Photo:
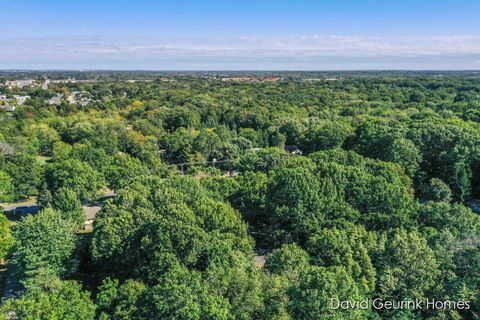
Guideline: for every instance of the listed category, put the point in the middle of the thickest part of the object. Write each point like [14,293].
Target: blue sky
[243,34]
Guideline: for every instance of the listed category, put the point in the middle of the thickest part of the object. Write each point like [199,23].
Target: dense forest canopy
[242,195]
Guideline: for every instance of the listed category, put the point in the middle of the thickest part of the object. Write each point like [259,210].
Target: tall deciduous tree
[74,175]
[6,188]
[45,240]
[6,238]
[67,203]
[69,302]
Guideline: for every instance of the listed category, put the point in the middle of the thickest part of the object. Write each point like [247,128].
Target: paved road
[28,207]
[31,207]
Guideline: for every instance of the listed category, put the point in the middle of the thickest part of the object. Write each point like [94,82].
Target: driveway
[27,207]
[31,206]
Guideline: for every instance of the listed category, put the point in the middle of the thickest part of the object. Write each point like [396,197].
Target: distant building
[7,104]
[240,79]
[56,100]
[69,80]
[79,98]
[45,84]
[251,79]
[90,212]
[8,108]
[21,99]
[293,150]
[20,83]
[71,97]
[272,79]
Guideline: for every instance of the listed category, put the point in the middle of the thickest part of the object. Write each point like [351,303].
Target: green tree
[181,295]
[262,160]
[437,190]
[6,188]
[276,298]
[6,238]
[289,260]
[120,301]
[294,205]
[311,297]
[177,217]
[74,175]
[345,248]
[123,169]
[456,218]
[250,197]
[46,137]
[405,153]
[408,267]
[181,118]
[45,240]
[68,302]
[45,197]
[326,136]
[26,174]
[461,180]
[67,203]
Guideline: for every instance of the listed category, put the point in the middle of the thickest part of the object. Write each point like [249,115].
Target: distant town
[9,102]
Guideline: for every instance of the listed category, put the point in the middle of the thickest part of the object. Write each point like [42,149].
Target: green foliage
[404,152]
[326,136]
[375,209]
[344,248]
[250,197]
[178,228]
[45,240]
[68,302]
[180,118]
[311,297]
[437,190]
[181,295]
[262,160]
[46,137]
[45,197]
[455,218]
[294,205]
[74,175]
[6,238]
[26,174]
[6,188]
[120,301]
[408,267]
[123,169]
[67,203]
[220,188]
[337,188]
[289,260]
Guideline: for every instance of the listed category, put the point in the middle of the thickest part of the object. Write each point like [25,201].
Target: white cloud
[259,52]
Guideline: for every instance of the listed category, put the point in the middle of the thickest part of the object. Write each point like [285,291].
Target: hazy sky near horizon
[242,34]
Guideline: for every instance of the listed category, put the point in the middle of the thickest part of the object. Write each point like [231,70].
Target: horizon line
[235,70]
